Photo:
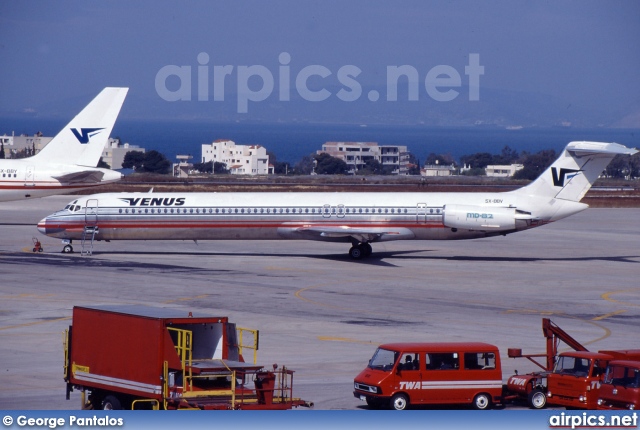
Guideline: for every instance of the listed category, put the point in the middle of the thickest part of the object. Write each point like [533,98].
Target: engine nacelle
[479,218]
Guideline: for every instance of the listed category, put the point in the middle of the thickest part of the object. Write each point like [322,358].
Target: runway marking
[607,332]
[186,299]
[346,339]
[610,314]
[34,323]
[27,295]
[607,296]
[298,294]
[289,269]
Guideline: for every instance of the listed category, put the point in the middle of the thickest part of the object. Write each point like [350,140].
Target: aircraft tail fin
[575,171]
[82,141]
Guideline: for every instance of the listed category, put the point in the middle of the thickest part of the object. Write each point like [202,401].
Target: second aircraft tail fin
[82,141]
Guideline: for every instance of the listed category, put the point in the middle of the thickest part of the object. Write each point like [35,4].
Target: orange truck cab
[403,374]
[577,377]
[621,386]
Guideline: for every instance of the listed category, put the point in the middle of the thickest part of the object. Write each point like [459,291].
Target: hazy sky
[584,52]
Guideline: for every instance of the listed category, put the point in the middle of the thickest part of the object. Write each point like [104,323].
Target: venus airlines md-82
[356,218]
[69,161]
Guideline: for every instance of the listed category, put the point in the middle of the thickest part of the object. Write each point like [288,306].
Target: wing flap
[347,233]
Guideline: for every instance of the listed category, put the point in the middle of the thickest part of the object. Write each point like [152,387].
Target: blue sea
[290,142]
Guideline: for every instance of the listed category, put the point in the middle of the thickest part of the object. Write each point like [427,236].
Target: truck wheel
[111,403]
[537,399]
[482,401]
[67,249]
[399,402]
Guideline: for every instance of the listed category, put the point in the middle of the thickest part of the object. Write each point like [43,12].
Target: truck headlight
[582,399]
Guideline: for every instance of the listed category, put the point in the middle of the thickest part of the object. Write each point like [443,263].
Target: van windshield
[383,359]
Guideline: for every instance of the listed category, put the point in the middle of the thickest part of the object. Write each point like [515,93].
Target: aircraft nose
[42,226]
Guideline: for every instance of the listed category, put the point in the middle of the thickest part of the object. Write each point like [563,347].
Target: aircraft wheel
[366,249]
[35,250]
[67,249]
[41,249]
[355,252]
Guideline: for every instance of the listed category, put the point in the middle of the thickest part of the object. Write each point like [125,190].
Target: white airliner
[67,163]
[356,218]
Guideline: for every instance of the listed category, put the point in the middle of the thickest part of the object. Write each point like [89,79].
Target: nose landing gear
[66,247]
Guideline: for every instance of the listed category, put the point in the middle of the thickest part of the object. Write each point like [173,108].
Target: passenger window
[479,360]
[442,361]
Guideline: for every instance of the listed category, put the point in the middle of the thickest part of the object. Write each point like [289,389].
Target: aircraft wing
[372,234]
[84,177]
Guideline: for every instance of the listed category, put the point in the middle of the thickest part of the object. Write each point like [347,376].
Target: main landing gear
[359,250]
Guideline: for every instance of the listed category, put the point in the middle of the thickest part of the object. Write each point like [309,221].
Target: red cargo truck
[571,379]
[621,386]
[139,357]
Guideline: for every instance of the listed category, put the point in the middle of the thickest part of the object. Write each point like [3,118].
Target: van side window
[479,360]
[443,361]
[409,361]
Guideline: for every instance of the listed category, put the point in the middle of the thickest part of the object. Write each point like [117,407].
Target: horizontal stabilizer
[84,177]
[584,148]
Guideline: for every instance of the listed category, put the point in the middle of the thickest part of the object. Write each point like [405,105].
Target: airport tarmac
[318,312]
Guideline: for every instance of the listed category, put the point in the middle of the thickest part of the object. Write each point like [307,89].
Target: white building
[356,154]
[13,144]
[240,159]
[113,154]
[506,171]
[438,170]
[183,167]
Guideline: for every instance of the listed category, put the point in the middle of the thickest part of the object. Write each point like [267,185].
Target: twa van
[403,374]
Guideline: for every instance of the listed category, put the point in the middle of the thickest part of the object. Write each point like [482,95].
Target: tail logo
[565,174]
[85,133]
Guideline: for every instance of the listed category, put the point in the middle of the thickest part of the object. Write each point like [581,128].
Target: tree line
[622,166]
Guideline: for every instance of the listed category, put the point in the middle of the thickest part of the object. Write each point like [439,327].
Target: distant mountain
[496,108]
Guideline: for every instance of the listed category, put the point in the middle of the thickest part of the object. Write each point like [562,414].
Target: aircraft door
[421,213]
[30,177]
[328,211]
[91,212]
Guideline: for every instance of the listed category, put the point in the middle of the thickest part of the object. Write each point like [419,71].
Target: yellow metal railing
[252,343]
[65,347]
[155,405]
[184,348]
